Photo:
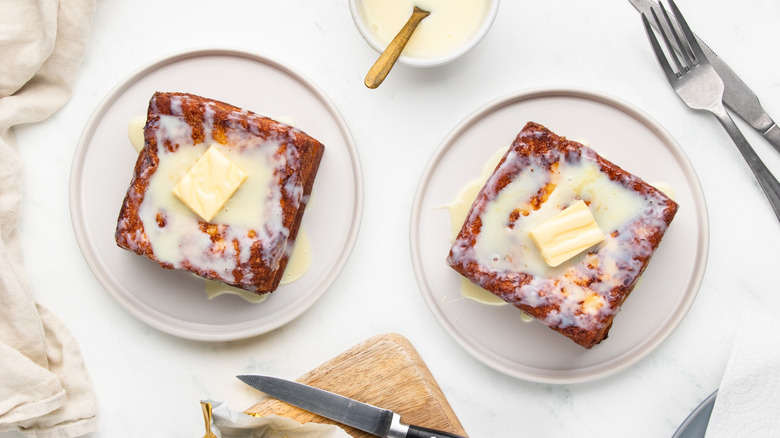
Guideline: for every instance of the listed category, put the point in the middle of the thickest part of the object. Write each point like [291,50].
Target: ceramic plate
[496,335]
[175,301]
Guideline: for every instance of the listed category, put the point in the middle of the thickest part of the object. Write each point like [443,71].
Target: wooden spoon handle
[387,59]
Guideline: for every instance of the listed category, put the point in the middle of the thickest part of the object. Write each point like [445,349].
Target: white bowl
[372,39]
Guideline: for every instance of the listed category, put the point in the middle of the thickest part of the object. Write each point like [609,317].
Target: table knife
[376,421]
[737,95]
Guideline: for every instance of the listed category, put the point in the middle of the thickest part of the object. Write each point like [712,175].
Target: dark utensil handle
[766,180]
[422,432]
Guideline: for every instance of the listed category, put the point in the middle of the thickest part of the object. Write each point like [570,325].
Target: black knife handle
[422,432]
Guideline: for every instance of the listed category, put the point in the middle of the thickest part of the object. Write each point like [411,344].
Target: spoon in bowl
[378,72]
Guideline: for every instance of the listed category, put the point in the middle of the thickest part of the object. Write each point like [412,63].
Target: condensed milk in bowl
[453,28]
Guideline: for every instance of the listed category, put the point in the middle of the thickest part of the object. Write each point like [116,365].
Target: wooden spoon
[387,59]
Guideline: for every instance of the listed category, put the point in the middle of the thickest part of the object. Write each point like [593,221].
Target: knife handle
[422,432]
[769,184]
[773,137]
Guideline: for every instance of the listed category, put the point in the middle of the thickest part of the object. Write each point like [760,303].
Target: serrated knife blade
[371,419]
[736,95]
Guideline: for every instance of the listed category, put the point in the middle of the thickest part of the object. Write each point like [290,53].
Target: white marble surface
[149,383]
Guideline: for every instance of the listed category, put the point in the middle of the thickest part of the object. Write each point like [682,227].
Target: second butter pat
[567,234]
[209,183]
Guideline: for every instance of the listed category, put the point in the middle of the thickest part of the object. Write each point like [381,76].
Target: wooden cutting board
[384,371]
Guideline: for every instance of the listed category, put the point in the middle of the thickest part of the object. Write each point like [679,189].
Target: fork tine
[694,44]
[686,55]
[659,53]
[667,42]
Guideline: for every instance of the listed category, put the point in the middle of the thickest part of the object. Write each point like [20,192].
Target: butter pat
[567,234]
[209,183]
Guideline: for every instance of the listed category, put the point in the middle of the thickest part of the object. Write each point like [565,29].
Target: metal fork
[700,87]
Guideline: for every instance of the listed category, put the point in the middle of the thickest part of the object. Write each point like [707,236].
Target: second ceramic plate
[497,336]
[175,301]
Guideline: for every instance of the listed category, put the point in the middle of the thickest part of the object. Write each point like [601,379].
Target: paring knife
[376,421]
[737,96]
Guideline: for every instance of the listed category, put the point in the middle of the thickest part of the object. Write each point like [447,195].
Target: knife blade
[371,419]
[736,95]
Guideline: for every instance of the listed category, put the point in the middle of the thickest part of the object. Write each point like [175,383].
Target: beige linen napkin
[44,387]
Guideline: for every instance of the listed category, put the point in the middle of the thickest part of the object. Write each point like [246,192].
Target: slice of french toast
[248,241]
